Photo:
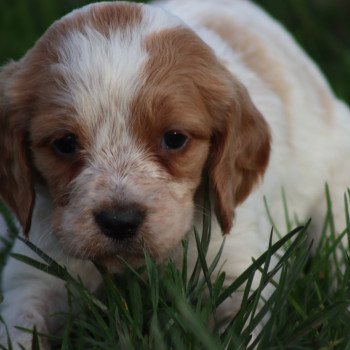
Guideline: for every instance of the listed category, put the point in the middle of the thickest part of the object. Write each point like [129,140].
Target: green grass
[163,307]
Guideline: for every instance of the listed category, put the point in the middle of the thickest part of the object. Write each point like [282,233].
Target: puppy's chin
[119,263]
[121,253]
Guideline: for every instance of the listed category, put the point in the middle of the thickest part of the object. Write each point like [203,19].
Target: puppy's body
[309,126]
[119,77]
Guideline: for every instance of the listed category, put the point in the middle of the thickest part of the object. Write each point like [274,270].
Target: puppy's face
[117,111]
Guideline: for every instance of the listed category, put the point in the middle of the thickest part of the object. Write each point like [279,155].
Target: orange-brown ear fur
[240,154]
[16,181]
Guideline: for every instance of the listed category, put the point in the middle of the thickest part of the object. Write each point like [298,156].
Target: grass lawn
[162,307]
[167,308]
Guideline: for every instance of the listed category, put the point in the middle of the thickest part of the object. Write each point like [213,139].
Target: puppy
[109,122]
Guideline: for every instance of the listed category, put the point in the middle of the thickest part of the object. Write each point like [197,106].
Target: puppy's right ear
[16,180]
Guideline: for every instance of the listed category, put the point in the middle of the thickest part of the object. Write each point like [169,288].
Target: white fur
[309,148]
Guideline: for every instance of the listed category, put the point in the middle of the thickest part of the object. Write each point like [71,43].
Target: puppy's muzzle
[120,222]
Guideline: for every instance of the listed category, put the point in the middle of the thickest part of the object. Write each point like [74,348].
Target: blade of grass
[258,262]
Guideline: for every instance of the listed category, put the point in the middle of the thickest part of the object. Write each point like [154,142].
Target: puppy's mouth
[121,252]
[119,262]
[130,247]
[118,248]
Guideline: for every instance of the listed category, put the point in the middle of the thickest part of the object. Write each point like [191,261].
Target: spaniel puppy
[109,122]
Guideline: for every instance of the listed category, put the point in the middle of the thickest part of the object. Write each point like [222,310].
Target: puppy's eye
[174,140]
[66,145]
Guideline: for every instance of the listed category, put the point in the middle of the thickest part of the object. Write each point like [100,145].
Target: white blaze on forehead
[102,73]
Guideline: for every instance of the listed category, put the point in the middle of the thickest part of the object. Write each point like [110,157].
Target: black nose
[120,223]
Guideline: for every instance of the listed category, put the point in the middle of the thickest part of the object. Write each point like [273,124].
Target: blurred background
[322,27]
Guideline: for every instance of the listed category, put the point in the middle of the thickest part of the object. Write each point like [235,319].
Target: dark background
[322,27]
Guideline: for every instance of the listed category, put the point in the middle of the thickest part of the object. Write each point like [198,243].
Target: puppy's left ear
[16,181]
[240,149]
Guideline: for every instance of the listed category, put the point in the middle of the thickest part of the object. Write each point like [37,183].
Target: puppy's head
[117,111]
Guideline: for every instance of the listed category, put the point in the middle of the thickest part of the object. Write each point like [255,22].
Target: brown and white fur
[119,76]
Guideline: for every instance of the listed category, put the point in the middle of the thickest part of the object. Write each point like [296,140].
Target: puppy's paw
[20,338]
